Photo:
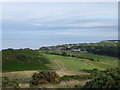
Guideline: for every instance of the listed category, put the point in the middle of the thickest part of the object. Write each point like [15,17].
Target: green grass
[83,54]
[105,59]
[16,66]
[113,61]
[20,60]
[73,63]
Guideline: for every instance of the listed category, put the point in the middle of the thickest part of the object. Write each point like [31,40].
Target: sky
[33,25]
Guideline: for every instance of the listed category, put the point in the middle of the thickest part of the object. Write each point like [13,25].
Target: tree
[64,53]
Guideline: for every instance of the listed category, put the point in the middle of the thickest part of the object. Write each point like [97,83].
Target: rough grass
[9,66]
[27,60]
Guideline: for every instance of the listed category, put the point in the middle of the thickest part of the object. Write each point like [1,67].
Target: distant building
[76,49]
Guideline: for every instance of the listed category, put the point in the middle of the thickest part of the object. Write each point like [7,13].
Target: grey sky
[40,24]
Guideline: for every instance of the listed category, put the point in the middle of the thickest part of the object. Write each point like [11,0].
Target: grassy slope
[35,61]
[105,59]
[72,63]
[31,61]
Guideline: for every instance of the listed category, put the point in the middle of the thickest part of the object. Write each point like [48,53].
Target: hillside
[23,59]
[108,48]
[74,66]
[82,60]
[100,55]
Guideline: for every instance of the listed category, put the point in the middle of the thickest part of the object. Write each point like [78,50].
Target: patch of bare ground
[71,83]
[24,85]
[63,84]
[30,73]
[62,73]
[19,74]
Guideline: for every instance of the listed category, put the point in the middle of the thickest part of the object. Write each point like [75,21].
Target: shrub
[6,82]
[64,53]
[94,72]
[75,77]
[105,79]
[43,77]
[77,86]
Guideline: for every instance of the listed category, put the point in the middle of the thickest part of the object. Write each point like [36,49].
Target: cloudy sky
[40,24]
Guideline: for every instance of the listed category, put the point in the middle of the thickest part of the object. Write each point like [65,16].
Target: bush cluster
[75,77]
[43,77]
[105,79]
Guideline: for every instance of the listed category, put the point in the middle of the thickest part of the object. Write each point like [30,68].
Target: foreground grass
[63,84]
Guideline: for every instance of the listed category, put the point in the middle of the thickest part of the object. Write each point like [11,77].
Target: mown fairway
[105,59]
[72,63]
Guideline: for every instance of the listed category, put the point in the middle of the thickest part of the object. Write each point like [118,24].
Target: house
[76,49]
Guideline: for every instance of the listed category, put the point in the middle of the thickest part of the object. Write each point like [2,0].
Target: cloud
[37,24]
[87,32]
[71,22]
[108,24]
[53,11]
[81,23]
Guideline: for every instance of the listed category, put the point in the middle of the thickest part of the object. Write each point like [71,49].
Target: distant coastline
[60,44]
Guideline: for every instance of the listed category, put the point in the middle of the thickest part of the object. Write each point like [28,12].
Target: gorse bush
[77,86]
[105,79]
[43,77]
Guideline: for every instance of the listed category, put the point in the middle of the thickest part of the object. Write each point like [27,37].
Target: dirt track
[30,73]
[19,73]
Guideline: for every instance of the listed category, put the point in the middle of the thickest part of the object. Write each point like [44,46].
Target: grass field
[21,60]
[102,58]
[113,61]
[72,63]
[20,65]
